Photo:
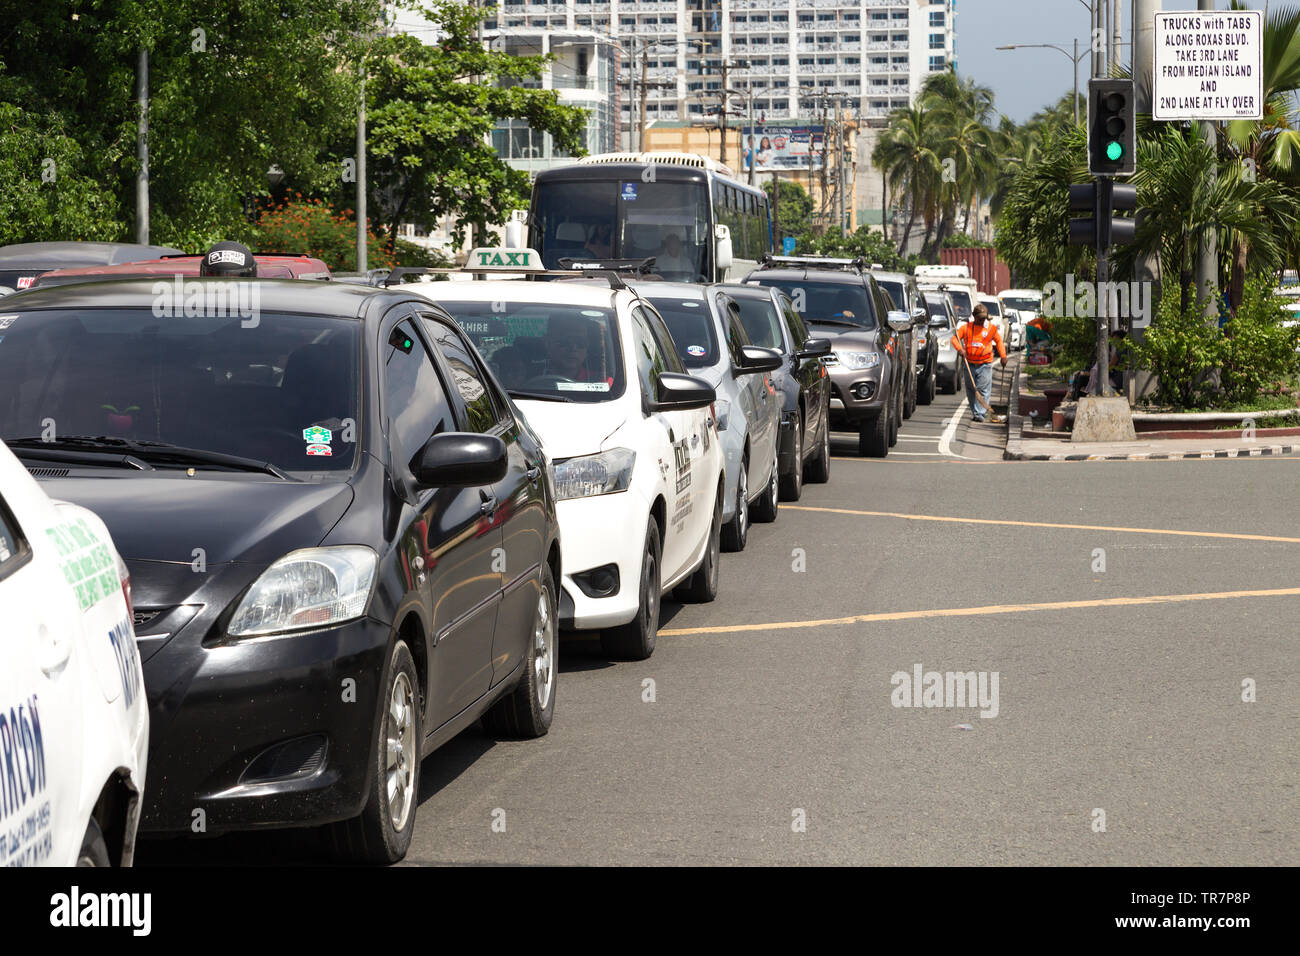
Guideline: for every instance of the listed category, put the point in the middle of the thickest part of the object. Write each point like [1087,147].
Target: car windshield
[759,318]
[691,327]
[992,306]
[838,303]
[895,290]
[283,390]
[546,351]
[624,219]
[1020,304]
[937,309]
[960,302]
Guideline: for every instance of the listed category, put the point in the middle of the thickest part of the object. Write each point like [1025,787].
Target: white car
[74,725]
[1026,304]
[638,467]
[997,317]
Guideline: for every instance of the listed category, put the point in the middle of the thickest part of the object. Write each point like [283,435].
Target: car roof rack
[858,264]
[394,276]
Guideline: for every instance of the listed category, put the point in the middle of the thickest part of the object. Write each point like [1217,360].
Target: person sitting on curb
[976,340]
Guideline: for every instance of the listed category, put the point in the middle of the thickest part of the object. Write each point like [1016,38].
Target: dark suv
[840,300]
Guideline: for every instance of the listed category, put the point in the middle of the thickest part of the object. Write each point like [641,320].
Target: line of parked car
[311,542]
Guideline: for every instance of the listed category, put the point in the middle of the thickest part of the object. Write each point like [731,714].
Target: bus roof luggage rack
[814,262]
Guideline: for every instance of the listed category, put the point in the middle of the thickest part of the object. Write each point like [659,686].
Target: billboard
[781,147]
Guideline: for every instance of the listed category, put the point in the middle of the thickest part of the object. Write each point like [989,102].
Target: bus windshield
[624,219]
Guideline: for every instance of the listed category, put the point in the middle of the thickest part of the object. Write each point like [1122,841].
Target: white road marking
[950,430]
[910,438]
[922,454]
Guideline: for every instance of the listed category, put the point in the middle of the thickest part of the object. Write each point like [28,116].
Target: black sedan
[770,319]
[341,536]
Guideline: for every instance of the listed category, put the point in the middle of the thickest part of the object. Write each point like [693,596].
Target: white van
[953,279]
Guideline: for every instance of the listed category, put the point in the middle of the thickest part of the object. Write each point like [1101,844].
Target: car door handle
[54,651]
[488,503]
[533,472]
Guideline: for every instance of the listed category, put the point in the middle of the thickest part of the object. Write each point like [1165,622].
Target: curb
[1015,421]
[1265,451]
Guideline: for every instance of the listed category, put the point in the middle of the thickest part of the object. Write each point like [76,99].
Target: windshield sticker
[317,435]
[85,562]
[689,305]
[593,313]
[582,386]
[629,191]
[6,321]
[120,420]
[25,282]
[696,350]
[318,450]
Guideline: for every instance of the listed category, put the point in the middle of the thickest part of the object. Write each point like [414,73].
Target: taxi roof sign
[502,259]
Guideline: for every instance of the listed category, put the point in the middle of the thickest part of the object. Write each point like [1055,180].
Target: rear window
[759,318]
[895,290]
[833,302]
[692,328]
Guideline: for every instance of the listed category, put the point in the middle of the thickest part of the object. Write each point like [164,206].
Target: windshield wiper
[844,322]
[156,450]
[75,450]
[539,396]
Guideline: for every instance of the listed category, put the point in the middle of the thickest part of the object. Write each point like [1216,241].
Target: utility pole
[722,114]
[777,244]
[142,150]
[1143,37]
[1097,40]
[361,175]
[645,92]
[1207,263]
[841,143]
[1116,36]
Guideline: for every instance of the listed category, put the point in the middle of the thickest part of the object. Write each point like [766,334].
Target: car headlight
[859,360]
[722,410]
[311,588]
[590,475]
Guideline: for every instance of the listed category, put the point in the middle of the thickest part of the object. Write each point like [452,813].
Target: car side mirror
[754,358]
[919,316]
[676,392]
[722,247]
[898,321]
[938,322]
[815,348]
[459,460]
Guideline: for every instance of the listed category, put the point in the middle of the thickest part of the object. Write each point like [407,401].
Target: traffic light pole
[1105,188]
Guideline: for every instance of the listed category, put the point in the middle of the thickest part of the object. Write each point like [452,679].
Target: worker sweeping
[975,341]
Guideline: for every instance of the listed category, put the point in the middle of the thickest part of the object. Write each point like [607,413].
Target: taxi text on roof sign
[504,260]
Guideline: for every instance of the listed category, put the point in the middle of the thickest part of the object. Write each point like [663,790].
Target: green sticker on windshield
[316,435]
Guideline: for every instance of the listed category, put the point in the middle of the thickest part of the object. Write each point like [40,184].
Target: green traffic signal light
[1114,151]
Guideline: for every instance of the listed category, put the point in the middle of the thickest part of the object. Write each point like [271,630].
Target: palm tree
[912,168]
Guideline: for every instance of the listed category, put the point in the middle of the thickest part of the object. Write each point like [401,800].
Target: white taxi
[631,439]
[74,724]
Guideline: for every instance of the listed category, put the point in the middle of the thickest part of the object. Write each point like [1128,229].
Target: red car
[269,266]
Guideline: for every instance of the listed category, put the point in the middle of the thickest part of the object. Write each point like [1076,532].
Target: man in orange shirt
[977,340]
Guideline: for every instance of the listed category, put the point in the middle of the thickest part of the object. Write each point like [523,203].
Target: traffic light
[1112,137]
[1102,198]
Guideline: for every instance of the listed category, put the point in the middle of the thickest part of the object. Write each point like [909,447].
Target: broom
[992,415]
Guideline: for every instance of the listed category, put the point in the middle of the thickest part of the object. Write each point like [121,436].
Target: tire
[635,640]
[925,394]
[765,508]
[909,402]
[949,388]
[873,436]
[792,483]
[527,710]
[94,851]
[375,837]
[736,531]
[702,586]
[895,424]
[819,468]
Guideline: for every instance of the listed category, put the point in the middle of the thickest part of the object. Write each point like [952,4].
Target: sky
[1024,81]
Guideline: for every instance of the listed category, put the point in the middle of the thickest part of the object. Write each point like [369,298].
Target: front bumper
[594,532]
[847,406]
[266,732]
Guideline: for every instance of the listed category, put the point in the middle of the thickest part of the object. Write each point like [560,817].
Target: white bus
[685,210]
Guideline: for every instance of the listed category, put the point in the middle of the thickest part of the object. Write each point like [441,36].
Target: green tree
[865,243]
[431,111]
[794,206]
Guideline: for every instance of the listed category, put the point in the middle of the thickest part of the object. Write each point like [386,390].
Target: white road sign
[1208,65]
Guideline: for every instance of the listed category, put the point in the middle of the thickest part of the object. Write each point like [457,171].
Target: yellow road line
[980,611]
[1047,524]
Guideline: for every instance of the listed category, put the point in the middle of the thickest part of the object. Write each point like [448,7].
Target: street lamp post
[1074,59]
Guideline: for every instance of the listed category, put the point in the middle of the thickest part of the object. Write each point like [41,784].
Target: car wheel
[382,833]
[873,436]
[819,469]
[702,586]
[94,851]
[792,483]
[894,424]
[909,403]
[736,532]
[527,711]
[925,395]
[635,640]
[765,508]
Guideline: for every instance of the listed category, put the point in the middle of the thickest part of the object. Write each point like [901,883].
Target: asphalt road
[772,705]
